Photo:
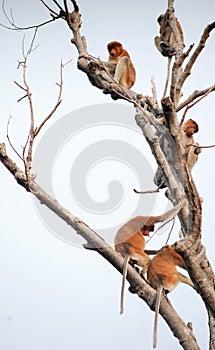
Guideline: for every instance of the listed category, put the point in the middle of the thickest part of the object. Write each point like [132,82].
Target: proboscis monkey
[121,67]
[190,127]
[163,276]
[165,43]
[130,242]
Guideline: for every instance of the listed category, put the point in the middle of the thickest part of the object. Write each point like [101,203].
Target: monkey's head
[146,229]
[114,48]
[170,252]
[190,127]
[167,249]
[160,19]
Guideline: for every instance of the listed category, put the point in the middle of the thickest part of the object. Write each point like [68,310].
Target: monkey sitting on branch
[119,65]
[163,276]
[130,242]
[190,127]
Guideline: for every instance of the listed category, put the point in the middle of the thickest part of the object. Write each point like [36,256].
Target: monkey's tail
[124,274]
[167,76]
[185,279]
[170,213]
[157,306]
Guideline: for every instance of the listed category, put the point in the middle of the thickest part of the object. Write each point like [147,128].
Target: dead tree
[164,134]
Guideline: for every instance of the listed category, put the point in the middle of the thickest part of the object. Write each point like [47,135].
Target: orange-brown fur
[163,275]
[190,127]
[162,269]
[134,247]
[123,69]
[130,243]
[129,238]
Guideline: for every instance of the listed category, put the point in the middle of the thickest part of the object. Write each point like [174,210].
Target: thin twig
[170,232]
[59,100]
[194,103]
[199,146]
[160,227]
[65,64]
[58,5]
[66,9]
[29,142]
[32,48]
[19,85]
[15,27]
[149,191]
[22,98]
[193,96]
[9,140]
[49,8]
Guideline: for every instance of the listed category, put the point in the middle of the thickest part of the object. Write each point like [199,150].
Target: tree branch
[58,102]
[194,96]
[195,55]
[167,147]
[13,26]
[193,104]
[144,291]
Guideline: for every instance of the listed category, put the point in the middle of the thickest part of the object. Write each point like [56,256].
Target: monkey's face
[190,127]
[190,130]
[160,19]
[114,49]
[146,229]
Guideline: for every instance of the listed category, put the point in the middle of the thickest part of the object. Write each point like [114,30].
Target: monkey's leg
[122,71]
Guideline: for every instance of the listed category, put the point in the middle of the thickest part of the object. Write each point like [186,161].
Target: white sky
[53,294]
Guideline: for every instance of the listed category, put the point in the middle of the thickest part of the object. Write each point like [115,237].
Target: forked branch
[196,94]
[144,291]
[179,180]
[27,152]
[195,55]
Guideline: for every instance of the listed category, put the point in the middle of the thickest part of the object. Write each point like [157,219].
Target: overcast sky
[54,294]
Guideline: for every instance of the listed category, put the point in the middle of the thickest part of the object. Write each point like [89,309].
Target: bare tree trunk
[166,141]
